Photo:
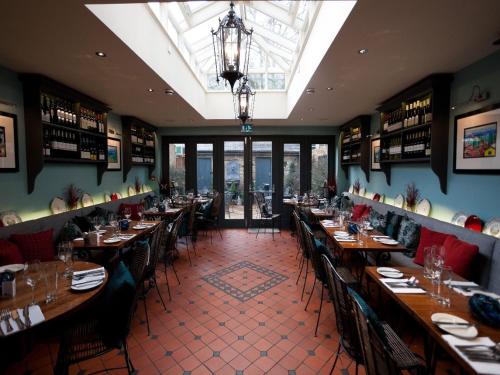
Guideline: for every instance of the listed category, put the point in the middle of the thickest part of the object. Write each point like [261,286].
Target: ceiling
[406,41]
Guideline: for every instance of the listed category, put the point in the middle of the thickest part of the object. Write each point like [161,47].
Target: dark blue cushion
[118,299]
[393,222]
[323,249]
[370,315]
[303,216]
[206,208]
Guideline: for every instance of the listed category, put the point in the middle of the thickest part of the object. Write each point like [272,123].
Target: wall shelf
[355,151]
[78,107]
[132,126]
[422,112]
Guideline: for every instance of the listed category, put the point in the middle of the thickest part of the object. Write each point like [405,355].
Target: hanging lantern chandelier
[244,100]
[232,43]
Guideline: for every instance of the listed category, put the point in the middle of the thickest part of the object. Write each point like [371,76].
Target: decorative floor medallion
[244,280]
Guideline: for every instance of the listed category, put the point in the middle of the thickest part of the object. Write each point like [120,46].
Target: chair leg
[145,306]
[175,273]
[158,290]
[130,366]
[258,229]
[305,279]
[319,313]
[189,256]
[194,246]
[272,227]
[301,265]
[336,359]
[310,294]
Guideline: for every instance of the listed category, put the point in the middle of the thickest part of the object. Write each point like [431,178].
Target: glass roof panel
[276,44]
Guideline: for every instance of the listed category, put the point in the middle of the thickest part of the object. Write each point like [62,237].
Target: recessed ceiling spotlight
[169,92]
[302,119]
[310,109]
[150,90]
[362,51]
[100,54]
[453,108]
[310,90]
[329,88]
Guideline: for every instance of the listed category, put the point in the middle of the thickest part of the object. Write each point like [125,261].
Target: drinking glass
[32,275]
[51,282]
[69,258]
[127,213]
[97,222]
[428,255]
[360,233]
[445,291]
[140,213]
[437,269]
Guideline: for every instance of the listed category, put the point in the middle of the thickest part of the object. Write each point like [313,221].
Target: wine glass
[97,222]
[436,271]
[127,212]
[112,220]
[32,275]
[140,212]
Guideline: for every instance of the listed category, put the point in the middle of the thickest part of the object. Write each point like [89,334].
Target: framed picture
[9,158]
[114,154]
[375,155]
[477,141]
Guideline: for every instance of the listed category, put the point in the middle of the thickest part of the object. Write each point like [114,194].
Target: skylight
[280,31]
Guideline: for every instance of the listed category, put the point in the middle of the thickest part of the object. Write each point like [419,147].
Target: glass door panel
[262,174]
[204,168]
[234,180]
[177,166]
[319,167]
[291,169]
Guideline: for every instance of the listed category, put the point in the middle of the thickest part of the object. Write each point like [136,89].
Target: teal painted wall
[54,177]
[472,194]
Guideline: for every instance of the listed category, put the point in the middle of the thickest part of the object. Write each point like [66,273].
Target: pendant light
[244,100]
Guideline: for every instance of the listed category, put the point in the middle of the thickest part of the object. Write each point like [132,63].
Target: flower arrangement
[412,195]
[356,186]
[137,185]
[72,195]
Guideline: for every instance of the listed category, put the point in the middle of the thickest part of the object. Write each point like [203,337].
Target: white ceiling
[406,41]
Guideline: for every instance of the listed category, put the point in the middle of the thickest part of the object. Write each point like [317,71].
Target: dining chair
[266,214]
[103,329]
[212,219]
[149,275]
[338,280]
[306,258]
[319,270]
[298,233]
[170,250]
[384,353]
[190,229]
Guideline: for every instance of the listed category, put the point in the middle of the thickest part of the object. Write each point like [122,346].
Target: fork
[5,314]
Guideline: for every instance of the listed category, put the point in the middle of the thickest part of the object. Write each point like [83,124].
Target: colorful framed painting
[477,141]
[114,154]
[9,154]
[375,155]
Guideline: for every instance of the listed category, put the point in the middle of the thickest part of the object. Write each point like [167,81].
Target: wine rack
[139,145]
[355,144]
[414,127]
[62,126]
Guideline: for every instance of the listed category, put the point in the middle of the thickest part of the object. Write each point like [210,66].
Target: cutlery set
[6,315]
[481,353]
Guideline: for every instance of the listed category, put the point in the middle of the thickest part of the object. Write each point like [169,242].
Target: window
[234,180]
[319,167]
[204,168]
[177,167]
[291,169]
[276,81]
[262,175]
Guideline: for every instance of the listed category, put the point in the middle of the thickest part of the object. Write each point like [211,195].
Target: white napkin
[479,367]
[472,292]
[374,236]
[126,236]
[87,279]
[35,315]
[402,290]
[344,239]
[78,239]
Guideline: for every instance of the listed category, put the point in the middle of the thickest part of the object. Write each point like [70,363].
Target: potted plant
[72,195]
[412,195]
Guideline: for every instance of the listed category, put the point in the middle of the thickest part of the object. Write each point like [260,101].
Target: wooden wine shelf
[127,123]
[362,122]
[33,86]
[438,87]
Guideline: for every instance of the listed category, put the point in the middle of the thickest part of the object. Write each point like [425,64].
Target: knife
[26,314]
[17,319]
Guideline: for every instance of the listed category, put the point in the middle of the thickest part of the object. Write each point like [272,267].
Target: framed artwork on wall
[375,155]
[9,154]
[476,141]
[114,154]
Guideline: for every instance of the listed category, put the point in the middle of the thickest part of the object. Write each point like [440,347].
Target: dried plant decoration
[72,196]
[412,196]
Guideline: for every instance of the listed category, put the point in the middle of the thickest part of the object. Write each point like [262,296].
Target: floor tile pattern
[241,283]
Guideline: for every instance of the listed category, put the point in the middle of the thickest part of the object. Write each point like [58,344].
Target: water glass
[445,290]
[428,255]
[51,277]
[437,269]
[127,213]
[32,275]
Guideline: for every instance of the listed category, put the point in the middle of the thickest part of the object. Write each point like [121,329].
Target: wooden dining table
[66,301]
[169,213]
[420,308]
[80,244]
[369,245]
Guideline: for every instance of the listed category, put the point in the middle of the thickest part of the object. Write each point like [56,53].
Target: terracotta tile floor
[206,330]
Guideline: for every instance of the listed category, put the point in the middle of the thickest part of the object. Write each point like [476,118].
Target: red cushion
[34,246]
[459,255]
[428,238]
[366,212]
[10,253]
[357,211]
[134,208]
